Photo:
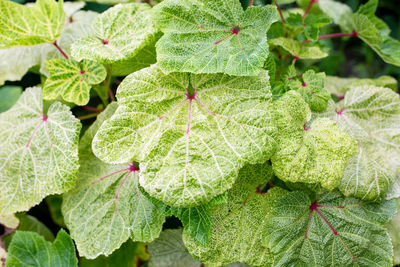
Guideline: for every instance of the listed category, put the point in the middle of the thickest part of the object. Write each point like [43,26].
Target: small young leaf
[316,153]
[237,225]
[191,133]
[168,250]
[73,80]
[328,230]
[372,116]
[25,26]
[9,94]
[39,152]
[213,36]
[31,249]
[120,34]
[295,48]
[107,207]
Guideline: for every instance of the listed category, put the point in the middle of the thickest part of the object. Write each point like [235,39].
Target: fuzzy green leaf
[9,94]
[237,232]
[309,153]
[39,152]
[394,232]
[340,13]
[31,249]
[217,36]
[295,48]
[120,35]
[107,207]
[372,116]
[25,26]
[191,133]
[168,250]
[73,80]
[328,230]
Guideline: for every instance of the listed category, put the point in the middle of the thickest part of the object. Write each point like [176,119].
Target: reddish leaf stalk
[334,35]
[308,8]
[92,108]
[59,49]
[250,2]
[282,18]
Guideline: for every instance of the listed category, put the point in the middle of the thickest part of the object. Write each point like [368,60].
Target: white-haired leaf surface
[309,152]
[72,79]
[394,231]
[107,207]
[39,152]
[191,133]
[203,36]
[328,230]
[372,116]
[22,25]
[238,224]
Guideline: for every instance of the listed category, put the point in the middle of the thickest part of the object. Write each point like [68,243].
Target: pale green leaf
[120,34]
[107,207]
[31,249]
[39,152]
[191,133]
[25,26]
[394,189]
[72,7]
[340,13]
[295,48]
[238,224]
[217,36]
[168,250]
[372,116]
[72,80]
[9,221]
[339,86]
[329,230]
[315,152]
[9,94]
[394,232]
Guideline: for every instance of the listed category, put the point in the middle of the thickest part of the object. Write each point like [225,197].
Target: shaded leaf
[9,94]
[295,48]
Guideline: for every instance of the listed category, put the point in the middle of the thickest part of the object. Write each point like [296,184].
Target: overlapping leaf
[73,80]
[372,116]
[107,207]
[340,13]
[191,133]
[25,26]
[123,37]
[295,48]
[315,152]
[328,230]
[31,249]
[394,231]
[39,152]
[204,36]
[238,224]
[9,94]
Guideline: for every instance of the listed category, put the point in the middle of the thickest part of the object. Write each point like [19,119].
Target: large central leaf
[23,26]
[191,133]
[39,152]
[204,36]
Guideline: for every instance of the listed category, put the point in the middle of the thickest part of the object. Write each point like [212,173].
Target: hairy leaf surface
[394,232]
[315,152]
[107,207]
[72,80]
[237,225]
[328,230]
[295,48]
[21,25]
[372,116]
[31,249]
[217,36]
[39,152]
[191,133]
[120,35]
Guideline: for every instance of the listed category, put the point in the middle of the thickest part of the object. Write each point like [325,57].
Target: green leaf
[73,80]
[312,90]
[328,230]
[309,153]
[9,94]
[375,33]
[39,152]
[213,36]
[168,250]
[54,203]
[295,48]
[107,207]
[372,116]
[340,13]
[238,224]
[123,37]
[128,254]
[31,224]
[394,233]
[191,133]
[25,26]
[31,249]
